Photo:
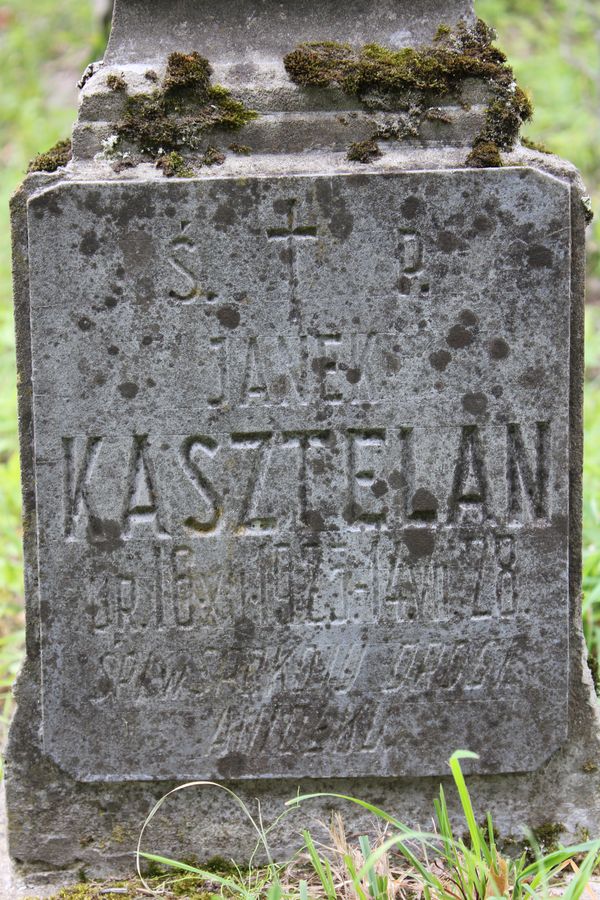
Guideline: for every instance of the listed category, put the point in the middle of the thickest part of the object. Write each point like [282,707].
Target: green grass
[591,497]
[397,861]
[553,47]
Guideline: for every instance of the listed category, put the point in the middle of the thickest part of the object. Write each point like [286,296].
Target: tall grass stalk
[407,862]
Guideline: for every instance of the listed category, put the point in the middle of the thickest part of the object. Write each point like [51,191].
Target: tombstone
[301,448]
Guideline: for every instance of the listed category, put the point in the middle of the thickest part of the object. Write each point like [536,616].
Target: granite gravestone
[301,447]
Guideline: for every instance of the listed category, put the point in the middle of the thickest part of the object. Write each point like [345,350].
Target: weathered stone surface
[302,456]
[58,822]
[247,38]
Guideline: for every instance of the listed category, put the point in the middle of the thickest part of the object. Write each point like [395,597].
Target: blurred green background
[44,47]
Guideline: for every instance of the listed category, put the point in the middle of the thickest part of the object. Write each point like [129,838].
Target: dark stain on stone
[244,630]
[424,505]
[498,348]
[144,291]
[128,389]
[84,324]
[380,488]
[410,207]
[440,359]
[392,363]
[468,318]
[497,391]
[314,520]
[104,534]
[281,207]
[459,337]
[333,205]
[225,216]
[137,248]
[111,302]
[139,205]
[539,257]
[351,512]
[113,351]
[353,375]
[228,316]
[419,541]
[396,480]
[232,765]
[483,225]
[89,243]
[475,403]
[447,242]
[533,377]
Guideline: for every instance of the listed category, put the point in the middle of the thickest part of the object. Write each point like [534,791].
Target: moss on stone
[240,149]
[173,165]
[52,159]
[187,71]
[116,82]
[213,157]
[440,67]
[484,155]
[387,79]
[535,145]
[364,151]
[180,113]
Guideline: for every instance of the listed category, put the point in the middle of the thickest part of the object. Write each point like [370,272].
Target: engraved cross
[290,234]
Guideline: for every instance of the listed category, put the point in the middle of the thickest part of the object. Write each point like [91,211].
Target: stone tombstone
[301,449]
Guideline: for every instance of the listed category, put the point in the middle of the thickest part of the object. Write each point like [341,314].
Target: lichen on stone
[52,159]
[387,79]
[180,113]
[364,151]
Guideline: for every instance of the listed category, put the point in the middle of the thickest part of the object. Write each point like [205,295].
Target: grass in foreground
[401,863]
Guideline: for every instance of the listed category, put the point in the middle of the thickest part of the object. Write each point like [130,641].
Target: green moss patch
[116,82]
[535,145]
[182,111]
[389,79]
[240,149]
[52,159]
[484,155]
[173,165]
[364,151]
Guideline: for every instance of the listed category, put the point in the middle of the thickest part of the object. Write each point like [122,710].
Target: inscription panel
[302,473]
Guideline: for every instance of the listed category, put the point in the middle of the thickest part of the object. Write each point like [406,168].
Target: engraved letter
[201,482]
[525,478]
[468,499]
[142,500]
[76,485]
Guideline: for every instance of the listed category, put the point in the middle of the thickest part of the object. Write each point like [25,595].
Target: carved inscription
[289,234]
[254,482]
[302,474]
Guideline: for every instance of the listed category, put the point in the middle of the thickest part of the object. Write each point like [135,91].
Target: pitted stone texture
[301,455]
[246,35]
